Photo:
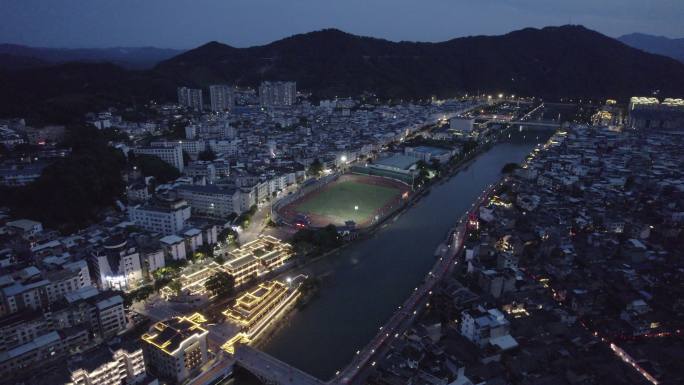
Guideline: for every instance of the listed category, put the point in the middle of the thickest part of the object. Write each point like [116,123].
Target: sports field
[361,198]
[349,200]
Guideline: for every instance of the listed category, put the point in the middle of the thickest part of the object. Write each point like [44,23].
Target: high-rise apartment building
[221,97]
[273,94]
[190,97]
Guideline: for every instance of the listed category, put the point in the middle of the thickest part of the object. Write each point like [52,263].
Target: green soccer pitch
[338,201]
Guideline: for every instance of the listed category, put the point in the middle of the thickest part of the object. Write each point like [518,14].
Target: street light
[343,158]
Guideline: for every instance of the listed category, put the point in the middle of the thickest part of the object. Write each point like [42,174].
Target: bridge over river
[270,370]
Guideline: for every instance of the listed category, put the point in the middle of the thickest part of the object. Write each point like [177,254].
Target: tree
[220,284]
[469,146]
[629,182]
[316,168]
[509,168]
[207,155]
[423,176]
[327,237]
[227,235]
[435,164]
[244,218]
[115,135]
[310,285]
[206,251]
[177,128]
[139,294]
[186,158]
[175,286]
[319,240]
[153,166]
[143,292]
[4,151]
[71,192]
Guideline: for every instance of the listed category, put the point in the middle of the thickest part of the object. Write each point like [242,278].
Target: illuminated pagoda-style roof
[261,248]
[168,335]
[252,305]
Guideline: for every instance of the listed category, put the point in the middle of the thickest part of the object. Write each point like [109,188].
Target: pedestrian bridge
[270,370]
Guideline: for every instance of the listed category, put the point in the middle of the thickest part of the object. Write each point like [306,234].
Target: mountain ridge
[128,57]
[576,60]
[659,45]
[552,62]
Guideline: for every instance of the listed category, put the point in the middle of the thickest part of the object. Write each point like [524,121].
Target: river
[363,284]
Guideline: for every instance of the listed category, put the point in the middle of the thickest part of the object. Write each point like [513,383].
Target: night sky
[241,23]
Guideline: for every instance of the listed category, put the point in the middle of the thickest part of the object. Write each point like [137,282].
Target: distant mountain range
[128,57]
[553,62]
[660,45]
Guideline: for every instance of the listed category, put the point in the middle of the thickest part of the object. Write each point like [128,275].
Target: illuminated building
[253,259]
[483,327]
[473,222]
[642,101]
[194,283]
[176,348]
[517,310]
[164,217]
[609,115]
[257,257]
[212,201]
[104,366]
[252,306]
[650,113]
[259,308]
[117,265]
